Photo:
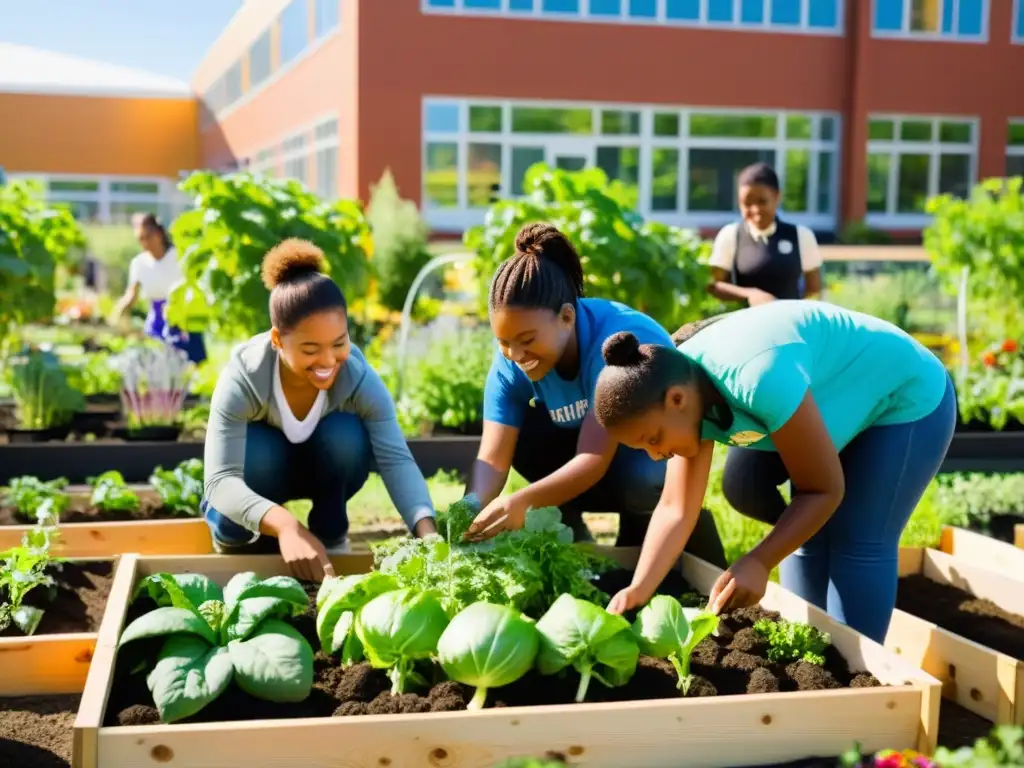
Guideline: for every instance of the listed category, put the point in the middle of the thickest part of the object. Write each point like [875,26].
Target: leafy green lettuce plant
[33,498]
[399,628]
[110,493]
[338,603]
[213,637]
[487,646]
[793,641]
[180,489]
[586,637]
[666,630]
[24,568]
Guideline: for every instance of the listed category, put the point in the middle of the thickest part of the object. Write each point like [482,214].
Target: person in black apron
[757,260]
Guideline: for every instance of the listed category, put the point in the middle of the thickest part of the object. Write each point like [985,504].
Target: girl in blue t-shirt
[538,396]
[854,412]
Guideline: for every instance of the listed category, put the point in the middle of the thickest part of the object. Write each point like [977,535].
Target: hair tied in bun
[290,260]
[622,349]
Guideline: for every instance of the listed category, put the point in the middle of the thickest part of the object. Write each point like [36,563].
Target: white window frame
[274,156]
[321,144]
[660,18]
[905,33]
[168,195]
[935,149]
[268,36]
[462,216]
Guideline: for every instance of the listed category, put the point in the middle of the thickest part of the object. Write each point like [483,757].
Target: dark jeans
[328,469]
[631,486]
[850,567]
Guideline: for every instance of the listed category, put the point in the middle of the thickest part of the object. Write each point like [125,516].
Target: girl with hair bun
[538,402]
[298,413]
[853,412]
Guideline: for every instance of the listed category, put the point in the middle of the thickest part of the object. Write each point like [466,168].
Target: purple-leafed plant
[154,382]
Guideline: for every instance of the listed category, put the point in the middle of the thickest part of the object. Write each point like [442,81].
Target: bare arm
[686,482]
[595,450]
[812,283]
[131,295]
[720,287]
[493,461]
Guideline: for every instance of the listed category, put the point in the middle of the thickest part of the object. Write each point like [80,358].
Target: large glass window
[259,60]
[296,158]
[233,84]
[327,14]
[111,199]
[913,158]
[808,15]
[1015,148]
[294,30]
[952,19]
[683,163]
[1018,21]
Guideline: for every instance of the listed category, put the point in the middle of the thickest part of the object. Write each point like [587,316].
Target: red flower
[989,359]
[1010,346]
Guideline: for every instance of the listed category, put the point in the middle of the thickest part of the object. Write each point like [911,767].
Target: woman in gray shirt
[298,413]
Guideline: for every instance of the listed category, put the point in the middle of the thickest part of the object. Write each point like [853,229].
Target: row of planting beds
[786,674]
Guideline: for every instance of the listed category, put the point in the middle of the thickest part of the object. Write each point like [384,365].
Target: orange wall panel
[88,135]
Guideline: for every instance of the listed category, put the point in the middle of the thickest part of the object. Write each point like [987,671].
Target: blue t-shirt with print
[508,391]
[861,371]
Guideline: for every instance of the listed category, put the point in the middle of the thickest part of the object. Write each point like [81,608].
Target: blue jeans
[328,469]
[850,567]
[631,486]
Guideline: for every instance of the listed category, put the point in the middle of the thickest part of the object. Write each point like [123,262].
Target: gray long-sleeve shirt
[244,394]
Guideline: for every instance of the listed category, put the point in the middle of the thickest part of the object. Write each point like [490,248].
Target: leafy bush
[985,233]
[399,242]
[35,237]
[970,500]
[655,267]
[994,391]
[237,218]
[445,387]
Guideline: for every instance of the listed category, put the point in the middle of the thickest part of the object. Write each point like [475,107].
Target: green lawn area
[373,516]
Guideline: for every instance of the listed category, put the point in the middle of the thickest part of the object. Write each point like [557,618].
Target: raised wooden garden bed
[900,712]
[983,551]
[963,624]
[55,659]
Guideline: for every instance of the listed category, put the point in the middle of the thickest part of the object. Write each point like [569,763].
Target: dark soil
[725,665]
[959,727]
[78,601]
[961,613]
[80,511]
[36,731]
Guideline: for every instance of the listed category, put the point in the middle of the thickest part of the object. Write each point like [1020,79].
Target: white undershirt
[296,431]
[155,277]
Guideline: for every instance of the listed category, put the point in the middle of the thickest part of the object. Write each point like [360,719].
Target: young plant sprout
[35,499]
[24,568]
[487,646]
[110,493]
[793,641]
[180,489]
[666,630]
[42,395]
[585,636]
[154,382]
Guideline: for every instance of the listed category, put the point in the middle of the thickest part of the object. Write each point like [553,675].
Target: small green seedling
[793,641]
[667,630]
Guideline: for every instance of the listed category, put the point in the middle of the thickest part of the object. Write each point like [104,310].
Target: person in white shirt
[761,257]
[153,273]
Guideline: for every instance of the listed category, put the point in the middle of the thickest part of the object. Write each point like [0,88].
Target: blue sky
[168,37]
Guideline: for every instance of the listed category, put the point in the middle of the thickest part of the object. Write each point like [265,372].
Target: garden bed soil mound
[961,613]
[81,511]
[37,731]
[731,663]
[78,602]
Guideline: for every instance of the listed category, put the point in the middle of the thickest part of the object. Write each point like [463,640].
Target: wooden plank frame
[984,681]
[982,551]
[640,734]
[189,536]
[53,664]
[1018,535]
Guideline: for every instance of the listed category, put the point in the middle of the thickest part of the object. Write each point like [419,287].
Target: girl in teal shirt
[854,412]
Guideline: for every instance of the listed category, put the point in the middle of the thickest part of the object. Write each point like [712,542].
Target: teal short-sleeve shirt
[861,371]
